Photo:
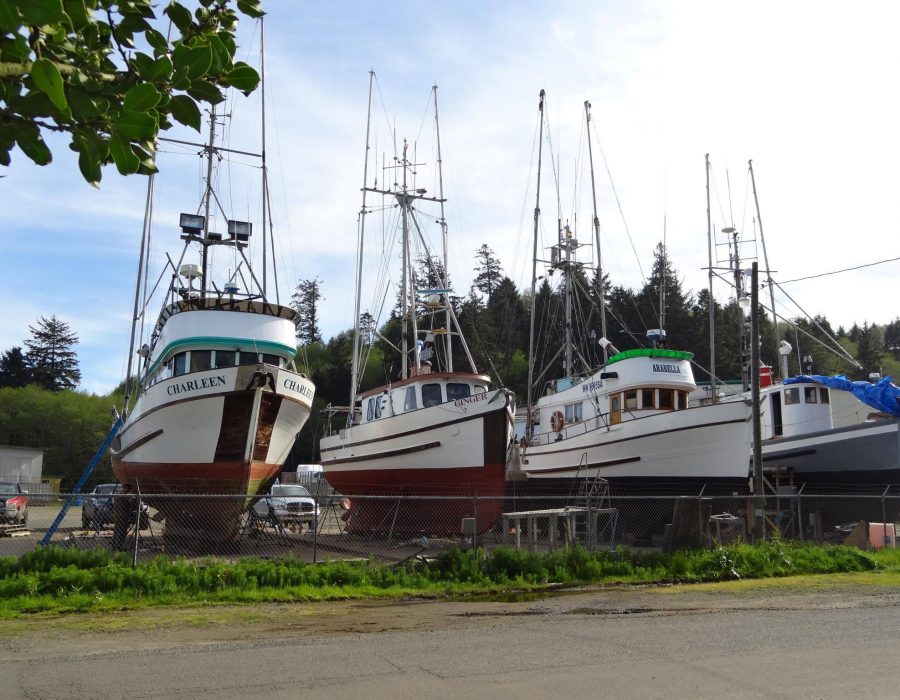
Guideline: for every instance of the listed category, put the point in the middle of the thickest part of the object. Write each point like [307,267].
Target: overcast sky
[807,90]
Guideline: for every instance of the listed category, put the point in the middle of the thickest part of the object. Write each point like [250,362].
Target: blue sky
[805,89]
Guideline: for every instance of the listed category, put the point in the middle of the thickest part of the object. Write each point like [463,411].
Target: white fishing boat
[628,420]
[412,453]
[218,400]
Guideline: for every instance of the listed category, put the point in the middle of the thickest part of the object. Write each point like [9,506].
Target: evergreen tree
[51,360]
[14,370]
[305,302]
[871,350]
[489,272]
[892,338]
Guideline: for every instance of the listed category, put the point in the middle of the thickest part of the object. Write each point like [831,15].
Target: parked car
[292,504]
[13,503]
[97,509]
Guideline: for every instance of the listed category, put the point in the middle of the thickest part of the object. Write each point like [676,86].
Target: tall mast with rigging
[443,223]
[596,225]
[534,261]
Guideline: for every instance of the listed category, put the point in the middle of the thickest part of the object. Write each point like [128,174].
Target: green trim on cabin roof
[210,342]
[651,352]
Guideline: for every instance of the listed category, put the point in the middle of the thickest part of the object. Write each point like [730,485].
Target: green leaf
[162,69]
[144,156]
[90,169]
[10,19]
[134,126]
[199,61]
[251,8]
[185,111]
[221,56]
[144,64]
[141,97]
[242,77]
[180,16]
[157,41]
[205,91]
[29,139]
[83,107]
[47,78]
[124,158]
[77,13]
[40,12]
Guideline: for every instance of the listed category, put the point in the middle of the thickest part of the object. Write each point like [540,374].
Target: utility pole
[758,492]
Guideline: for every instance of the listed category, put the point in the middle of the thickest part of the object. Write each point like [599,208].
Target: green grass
[52,580]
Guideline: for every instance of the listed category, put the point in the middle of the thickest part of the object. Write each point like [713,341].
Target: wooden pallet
[11,530]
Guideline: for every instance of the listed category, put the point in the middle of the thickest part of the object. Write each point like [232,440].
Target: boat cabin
[795,409]
[420,391]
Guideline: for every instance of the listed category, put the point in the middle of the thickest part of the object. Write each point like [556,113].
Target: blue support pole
[82,479]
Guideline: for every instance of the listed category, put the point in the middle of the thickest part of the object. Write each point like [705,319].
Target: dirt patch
[172,627]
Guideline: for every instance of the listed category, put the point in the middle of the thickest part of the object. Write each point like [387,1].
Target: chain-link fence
[318,524]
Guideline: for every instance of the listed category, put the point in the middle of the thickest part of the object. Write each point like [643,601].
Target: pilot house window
[457,391]
[666,399]
[573,412]
[201,360]
[431,395]
[409,404]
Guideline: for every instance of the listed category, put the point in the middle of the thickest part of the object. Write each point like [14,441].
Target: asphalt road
[675,643]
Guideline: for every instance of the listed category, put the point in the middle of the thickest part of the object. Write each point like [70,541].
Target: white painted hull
[709,442]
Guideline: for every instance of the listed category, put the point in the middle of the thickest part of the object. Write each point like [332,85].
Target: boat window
[647,398]
[410,403]
[683,400]
[431,395]
[809,394]
[370,409]
[573,412]
[179,364]
[792,396]
[225,358]
[631,400]
[666,399]
[480,389]
[379,402]
[273,360]
[201,360]
[248,358]
[457,391]
[823,395]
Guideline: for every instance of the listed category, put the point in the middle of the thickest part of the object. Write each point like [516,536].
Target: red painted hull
[191,519]
[422,501]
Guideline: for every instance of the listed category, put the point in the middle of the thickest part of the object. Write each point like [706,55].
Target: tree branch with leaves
[103,72]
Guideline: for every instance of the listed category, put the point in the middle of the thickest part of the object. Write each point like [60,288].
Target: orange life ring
[557,421]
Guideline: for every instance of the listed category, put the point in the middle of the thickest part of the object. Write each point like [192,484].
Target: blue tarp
[885,396]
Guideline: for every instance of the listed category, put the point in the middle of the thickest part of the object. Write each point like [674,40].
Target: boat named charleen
[219,399]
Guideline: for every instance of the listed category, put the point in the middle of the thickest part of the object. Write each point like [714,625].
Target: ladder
[113,431]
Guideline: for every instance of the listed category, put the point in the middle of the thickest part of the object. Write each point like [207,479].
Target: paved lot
[674,643]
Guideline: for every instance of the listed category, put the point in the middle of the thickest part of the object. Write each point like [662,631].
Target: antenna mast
[443,223]
[768,269]
[712,305]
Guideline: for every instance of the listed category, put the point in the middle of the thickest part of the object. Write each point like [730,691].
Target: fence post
[475,520]
[884,534]
[800,509]
[701,541]
[316,522]
[137,524]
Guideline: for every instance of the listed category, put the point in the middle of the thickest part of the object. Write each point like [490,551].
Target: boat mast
[210,149]
[712,306]
[145,236]
[534,260]
[587,116]
[768,270]
[409,292]
[662,284]
[443,223]
[565,240]
[265,184]
[357,341]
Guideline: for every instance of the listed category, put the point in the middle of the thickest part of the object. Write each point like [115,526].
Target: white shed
[23,465]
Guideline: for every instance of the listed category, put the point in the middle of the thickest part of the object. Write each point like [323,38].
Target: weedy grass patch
[53,579]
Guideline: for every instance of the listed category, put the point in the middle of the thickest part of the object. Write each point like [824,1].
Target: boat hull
[863,454]
[230,443]
[423,472]
[686,449]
